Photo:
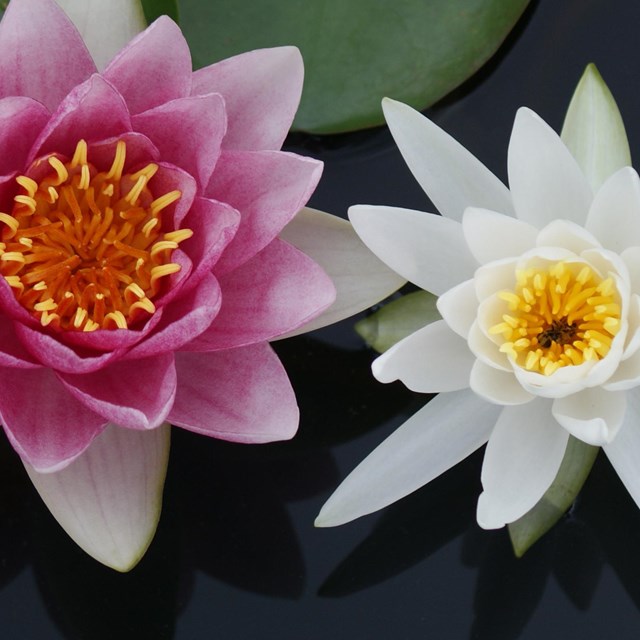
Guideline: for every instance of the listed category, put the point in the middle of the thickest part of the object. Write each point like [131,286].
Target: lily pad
[359,51]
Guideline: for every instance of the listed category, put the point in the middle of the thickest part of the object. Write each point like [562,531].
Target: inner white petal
[568,235]
[593,415]
[459,307]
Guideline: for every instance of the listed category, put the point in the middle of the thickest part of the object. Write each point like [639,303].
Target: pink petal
[8,189]
[107,339]
[168,178]
[42,55]
[214,224]
[268,188]
[153,68]
[109,499]
[140,150]
[45,425]
[188,132]
[12,353]
[21,120]
[276,291]
[51,353]
[242,395]
[94,110]
[183,320]
[134,394]
[261,90]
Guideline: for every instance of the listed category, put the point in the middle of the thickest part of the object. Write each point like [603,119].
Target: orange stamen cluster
[84,249]
[559,316]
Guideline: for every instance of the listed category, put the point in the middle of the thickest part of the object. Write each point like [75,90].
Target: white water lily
[538,292]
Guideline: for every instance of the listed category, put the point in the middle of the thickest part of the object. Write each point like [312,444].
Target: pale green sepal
[360,278]
[576,464]
[593,129]
[398,319]
[109,499]
[106,27]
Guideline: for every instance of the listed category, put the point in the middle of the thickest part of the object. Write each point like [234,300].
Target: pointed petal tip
[486,516]
[109,500]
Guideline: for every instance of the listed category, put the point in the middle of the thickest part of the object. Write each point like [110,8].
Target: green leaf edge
[574,470]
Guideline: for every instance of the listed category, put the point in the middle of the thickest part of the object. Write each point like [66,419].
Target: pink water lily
[142,275]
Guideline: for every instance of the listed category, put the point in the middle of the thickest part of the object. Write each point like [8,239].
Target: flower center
[84,249]
[561,315]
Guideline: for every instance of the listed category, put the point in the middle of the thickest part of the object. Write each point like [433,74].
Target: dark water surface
[236,555]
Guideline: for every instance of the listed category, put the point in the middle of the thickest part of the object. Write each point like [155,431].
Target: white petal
[624,451]
[459,307]
[633,334]
[593,129]
[109,499]
[563,382]
[441,434]
[626,376]
[106,27]
[522,458]
[593,415]
[495,276]
[546,182]
[426,249]
[361,279]
[631,258]
[430,360]
[452,177]
[568,235]
[614,217]
[499,387]
[486,350]
[493,236]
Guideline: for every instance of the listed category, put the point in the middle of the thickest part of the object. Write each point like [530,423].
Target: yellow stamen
[561,315]
[88,242]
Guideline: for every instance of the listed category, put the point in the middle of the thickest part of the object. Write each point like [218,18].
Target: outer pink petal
[42,55]
[21,120]
[242,395]
[153,68]
[136,395]
[268,188]
[51,353]
[261,90]
[92,111]
[188,132]
[278,290]
[45,425]
[183,320]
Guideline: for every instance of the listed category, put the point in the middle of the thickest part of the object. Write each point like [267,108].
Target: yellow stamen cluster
[558,316]
[84,249]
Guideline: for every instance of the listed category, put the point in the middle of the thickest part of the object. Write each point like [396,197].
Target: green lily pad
[576,464]
[398,319]
[359,51]
[156,8]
